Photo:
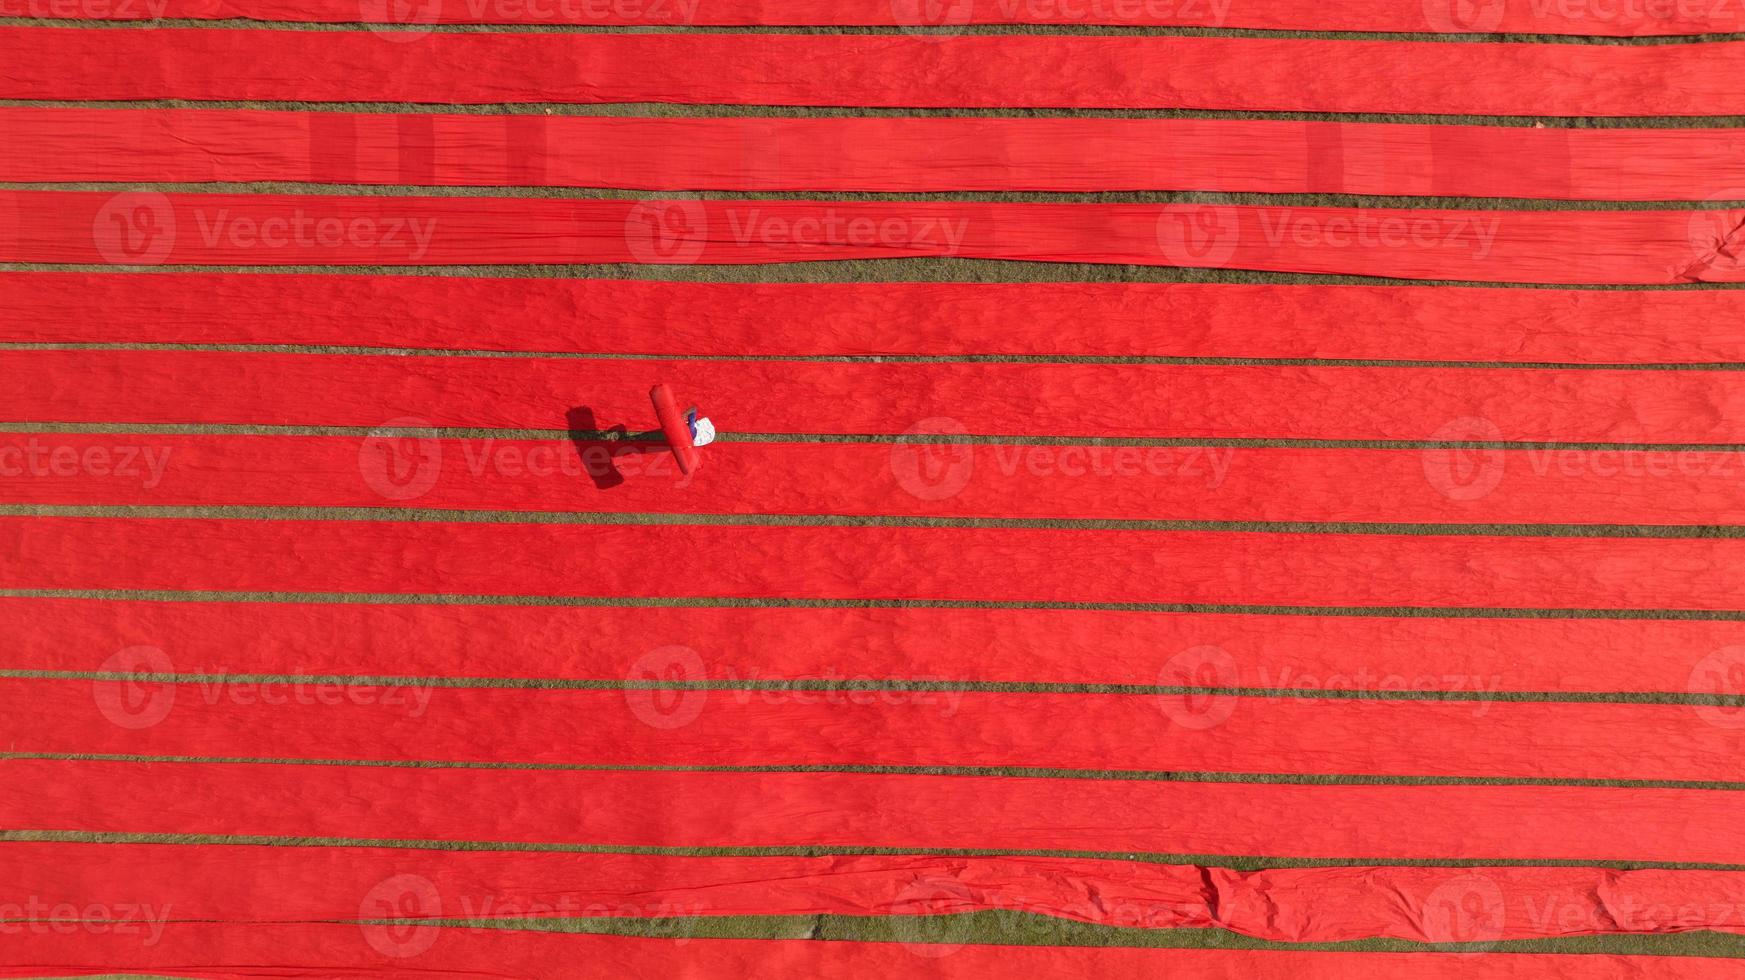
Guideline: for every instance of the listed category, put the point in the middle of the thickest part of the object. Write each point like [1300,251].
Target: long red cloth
[903,71]
[868,153]
[264,885]
[1376,824]
[1291,654]
[225,951]
[780,562]
[147,228]
[840,724]
[1619,19]
[1014,482]
[619,316]
[936,401]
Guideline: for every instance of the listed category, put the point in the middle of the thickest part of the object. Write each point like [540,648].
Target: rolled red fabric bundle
[678,434]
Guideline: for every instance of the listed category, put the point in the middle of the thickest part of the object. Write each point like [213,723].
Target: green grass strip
[543,192]
[963,30]
[936,937]
[672,109]
[1415,695]
[1094,359]
[860,270]
[1232,862]
[558,434]
[430,515]
[1005,772]
[729,602]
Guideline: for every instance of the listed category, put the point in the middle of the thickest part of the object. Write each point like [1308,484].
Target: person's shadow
[599,448]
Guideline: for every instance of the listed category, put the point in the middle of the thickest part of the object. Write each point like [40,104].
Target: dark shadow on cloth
[599,448]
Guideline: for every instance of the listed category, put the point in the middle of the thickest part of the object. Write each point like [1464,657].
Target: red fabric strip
[1290,653]
[975,564]
[148,228]
[938,401]
[617,316]
[239,883]
[673,426]
[703,809]
[873,154]
[213,950]
[845,726]
[1014,70]
[1429,486]
[1622,19]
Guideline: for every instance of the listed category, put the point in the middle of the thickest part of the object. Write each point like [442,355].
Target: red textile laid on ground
[869,154]
[902,479]
[223,951]
[627,316]
[1621,19]
[902,71]
[830,810]
[812,563]
[1292,654]
[225,883]
[939,401]
[148,228]
[362,624]
[840,725]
